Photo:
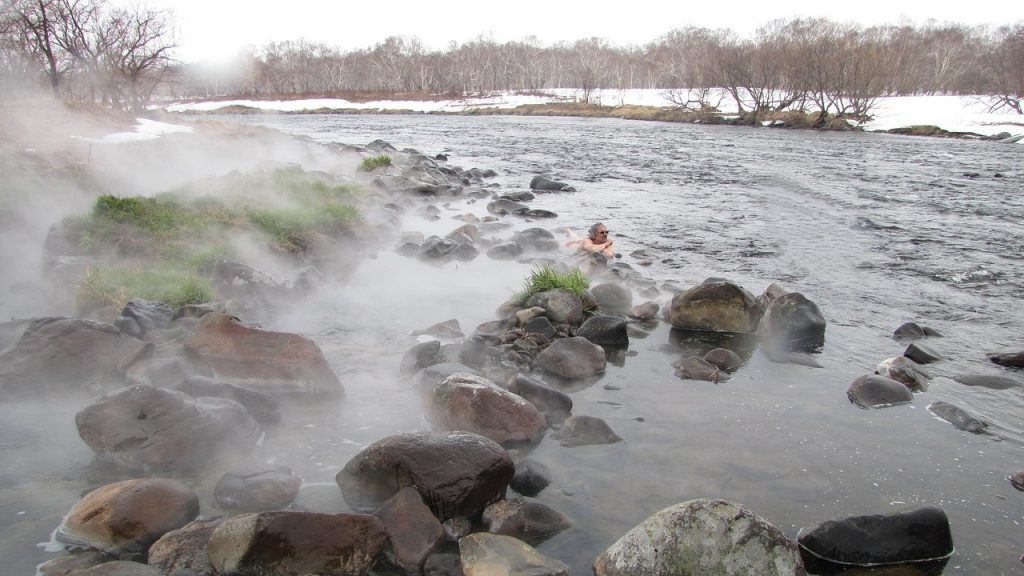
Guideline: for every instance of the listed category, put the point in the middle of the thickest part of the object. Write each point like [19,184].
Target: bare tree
[1005,67]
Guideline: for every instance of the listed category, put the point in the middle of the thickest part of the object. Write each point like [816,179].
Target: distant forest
[124,57]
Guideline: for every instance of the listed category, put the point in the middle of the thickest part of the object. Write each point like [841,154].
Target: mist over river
[877,230]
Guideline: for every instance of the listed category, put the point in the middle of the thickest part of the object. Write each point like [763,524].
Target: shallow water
[875,229]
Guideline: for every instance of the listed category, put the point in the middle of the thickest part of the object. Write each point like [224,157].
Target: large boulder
[296,543]
[916,535]
[794,323]
[248,291]
[184,549]
[457,473]
[475,404]
[701,537]
[716,305]
[561,306]
[536,239]
[146,429]
[64,354]
[124,518]
[874,391]
[485,554]
[274,361]
[572,359]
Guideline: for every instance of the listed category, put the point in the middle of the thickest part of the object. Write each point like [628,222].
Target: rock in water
[572,359]
[958,417]
[795,323]
[497,555]
[475,404]
[124,518]
[877,391]
[698,538]
[918,535]
[719,306]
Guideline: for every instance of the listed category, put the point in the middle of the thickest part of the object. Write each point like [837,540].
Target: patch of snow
[145,129]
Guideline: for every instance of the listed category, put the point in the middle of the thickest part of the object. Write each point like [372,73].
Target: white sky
[214,30]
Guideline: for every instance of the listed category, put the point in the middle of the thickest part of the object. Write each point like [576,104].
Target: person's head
[598,232]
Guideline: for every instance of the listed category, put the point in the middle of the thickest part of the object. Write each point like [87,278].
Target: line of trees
[792,64]
[86,51]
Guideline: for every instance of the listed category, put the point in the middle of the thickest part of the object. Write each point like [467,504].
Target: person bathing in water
[596,242]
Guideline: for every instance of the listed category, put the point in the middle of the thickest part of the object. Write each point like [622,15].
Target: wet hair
[592,231]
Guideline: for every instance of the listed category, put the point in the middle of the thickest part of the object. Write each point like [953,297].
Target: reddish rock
[475,404]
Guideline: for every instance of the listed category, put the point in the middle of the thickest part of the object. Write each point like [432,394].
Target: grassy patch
[179,235]
[546,278]
[373,162]
[109,289]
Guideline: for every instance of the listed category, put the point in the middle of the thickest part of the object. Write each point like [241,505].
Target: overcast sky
[214,30]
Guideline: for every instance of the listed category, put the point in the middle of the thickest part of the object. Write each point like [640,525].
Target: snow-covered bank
[952,113]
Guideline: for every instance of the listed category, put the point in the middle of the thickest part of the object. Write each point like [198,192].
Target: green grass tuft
[373,162]
[109,289]
[546,278]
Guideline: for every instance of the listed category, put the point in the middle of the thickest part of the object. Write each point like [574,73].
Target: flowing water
[877,230]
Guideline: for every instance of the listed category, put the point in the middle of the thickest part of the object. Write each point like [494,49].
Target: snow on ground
[952,113]
[145,129]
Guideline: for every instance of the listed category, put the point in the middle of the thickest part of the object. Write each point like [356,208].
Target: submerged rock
[531,477]
[495,554]
[988,381]
[698,538]
[543,183]
[958,417]
[584,431]
[914,331]
[724,359]
[875,391]
[525,519]
[1009,359]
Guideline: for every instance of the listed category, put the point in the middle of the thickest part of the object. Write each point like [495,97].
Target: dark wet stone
[506,251]
[548,185]
[427,378]
[521,196]
[120,568]
[612,298]
[184,549]
[447,329]
[555,405]
[875,391]
[503,207]
[471,351]
[585,430]
[572,359]
[604,330]
[414,532]
[1017,479]
[921,354]
[905,370]
[562,306]
[987,381]
[538,213]
[958,417]
[141,316]
[456,473]
[540,325]
[1010,359]
[536,239]
[644,312]
[262,407]
[525,519]
[531,477]
[420,356]
[917,535]
[694,368]
[719,306]
[257,489]
[725,359]
[913,331]
[795,324]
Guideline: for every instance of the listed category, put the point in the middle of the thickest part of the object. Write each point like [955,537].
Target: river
[876,229]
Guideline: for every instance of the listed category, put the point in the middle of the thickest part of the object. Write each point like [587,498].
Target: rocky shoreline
[175,396]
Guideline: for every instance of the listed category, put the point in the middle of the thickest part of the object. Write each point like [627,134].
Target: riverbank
[950,116]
